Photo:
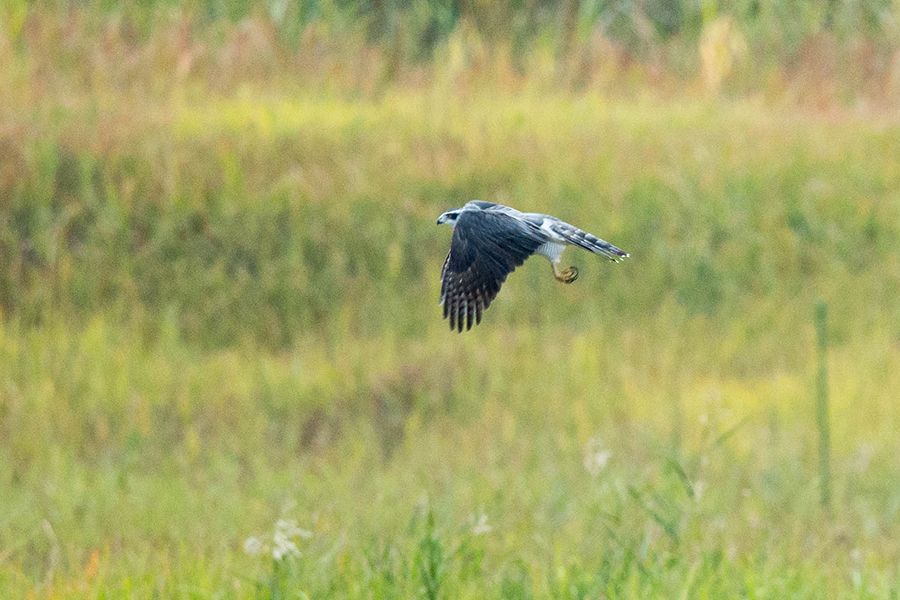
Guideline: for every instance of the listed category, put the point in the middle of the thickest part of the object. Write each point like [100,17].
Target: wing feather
[583,239]
[487,246]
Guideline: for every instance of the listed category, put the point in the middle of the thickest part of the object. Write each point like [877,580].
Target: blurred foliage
[266,220]
[810,51]
[430,22]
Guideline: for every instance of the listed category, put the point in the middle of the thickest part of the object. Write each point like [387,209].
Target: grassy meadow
[224,373]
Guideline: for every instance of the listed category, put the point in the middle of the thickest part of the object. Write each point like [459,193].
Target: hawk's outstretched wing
[486,247]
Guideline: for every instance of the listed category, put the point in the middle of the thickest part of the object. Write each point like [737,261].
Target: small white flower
[596,456]
[283,541]
[283,547]
[289,528]
[253,546]
[481,526]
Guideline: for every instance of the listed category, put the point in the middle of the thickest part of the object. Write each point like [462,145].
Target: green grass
[218,309]
[163,459]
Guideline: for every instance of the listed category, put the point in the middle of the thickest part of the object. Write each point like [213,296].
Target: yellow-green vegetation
[218,311]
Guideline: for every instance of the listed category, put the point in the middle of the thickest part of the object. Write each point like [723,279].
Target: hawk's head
[449,217]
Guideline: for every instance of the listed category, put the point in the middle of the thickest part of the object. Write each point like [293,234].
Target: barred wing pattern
[583,239]
[485,249]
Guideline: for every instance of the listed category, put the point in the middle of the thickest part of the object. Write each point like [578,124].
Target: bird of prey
[490,241]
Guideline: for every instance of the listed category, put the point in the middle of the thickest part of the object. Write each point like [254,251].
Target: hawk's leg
[566,275]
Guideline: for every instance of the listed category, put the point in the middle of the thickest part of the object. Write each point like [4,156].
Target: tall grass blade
[822,403]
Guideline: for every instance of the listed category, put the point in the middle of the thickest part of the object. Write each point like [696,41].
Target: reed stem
[822,403]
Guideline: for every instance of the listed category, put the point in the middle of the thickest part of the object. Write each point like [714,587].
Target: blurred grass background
[218,299]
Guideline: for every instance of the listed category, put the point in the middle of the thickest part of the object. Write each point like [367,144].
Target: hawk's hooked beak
[441,219]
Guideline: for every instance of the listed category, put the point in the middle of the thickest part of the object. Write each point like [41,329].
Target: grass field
[223,371]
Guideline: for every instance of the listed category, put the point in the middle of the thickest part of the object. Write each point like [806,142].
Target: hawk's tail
[590,242]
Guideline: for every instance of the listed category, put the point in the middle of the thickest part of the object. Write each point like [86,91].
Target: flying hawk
[490,241]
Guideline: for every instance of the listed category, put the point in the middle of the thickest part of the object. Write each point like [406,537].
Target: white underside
[551,250]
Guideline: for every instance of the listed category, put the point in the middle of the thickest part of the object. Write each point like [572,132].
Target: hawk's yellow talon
[567,275]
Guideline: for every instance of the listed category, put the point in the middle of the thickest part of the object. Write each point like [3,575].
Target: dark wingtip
[460,321]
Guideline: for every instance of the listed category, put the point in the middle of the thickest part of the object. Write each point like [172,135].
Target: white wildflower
[290,529]
[596,456]
[254,546]
[481,526]
[283,542]
[283,546]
